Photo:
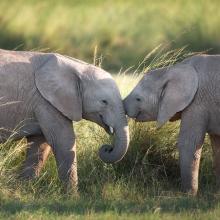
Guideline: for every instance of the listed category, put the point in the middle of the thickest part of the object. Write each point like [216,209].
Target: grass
[121,31]
[144,185]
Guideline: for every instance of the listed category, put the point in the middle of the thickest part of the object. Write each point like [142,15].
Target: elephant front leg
[58,131]
[215,141]
[189,167]
[190,143]
[36,156]
[67,166]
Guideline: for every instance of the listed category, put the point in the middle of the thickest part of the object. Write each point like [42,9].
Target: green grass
[144,185]
[122,31]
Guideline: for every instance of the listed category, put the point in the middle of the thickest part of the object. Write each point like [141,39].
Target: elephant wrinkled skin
[42,93]
[189,90]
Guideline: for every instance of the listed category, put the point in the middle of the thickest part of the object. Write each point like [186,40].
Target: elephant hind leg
[36,156]
[215,141]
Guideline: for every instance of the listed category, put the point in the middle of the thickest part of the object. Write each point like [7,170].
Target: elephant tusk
[111,129]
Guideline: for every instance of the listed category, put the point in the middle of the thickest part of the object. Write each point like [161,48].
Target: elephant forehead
[150,77]
[100,79]
[96,73]
[100,84]
[149,82]
[102,89]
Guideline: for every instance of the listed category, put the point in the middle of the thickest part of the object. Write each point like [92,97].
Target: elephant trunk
[113,154]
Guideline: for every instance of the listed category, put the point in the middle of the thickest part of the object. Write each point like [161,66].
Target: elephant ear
[58,82]
[180,84]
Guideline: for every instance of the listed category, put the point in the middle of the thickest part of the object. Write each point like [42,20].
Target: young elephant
[41,94]
[189,90]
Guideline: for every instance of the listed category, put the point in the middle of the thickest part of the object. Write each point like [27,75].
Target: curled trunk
[114,153]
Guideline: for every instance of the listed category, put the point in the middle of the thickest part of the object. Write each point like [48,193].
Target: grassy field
[144,185]
[119,34]
[122,31]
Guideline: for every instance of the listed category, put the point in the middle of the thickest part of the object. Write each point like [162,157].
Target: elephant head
[80,90]
[162,93]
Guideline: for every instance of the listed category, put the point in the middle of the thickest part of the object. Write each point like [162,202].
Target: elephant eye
[104,102]
[138,99]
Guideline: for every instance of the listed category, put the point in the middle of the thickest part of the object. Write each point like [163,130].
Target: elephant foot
[68,189]
[28,173]
[190,183]
[191,192]
[26,176]
[190,187]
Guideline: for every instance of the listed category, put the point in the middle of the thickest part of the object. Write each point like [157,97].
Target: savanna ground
[118,34]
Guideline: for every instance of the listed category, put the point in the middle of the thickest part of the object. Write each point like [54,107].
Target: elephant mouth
[141,117]
[99,119]
[138,116]
[108,129]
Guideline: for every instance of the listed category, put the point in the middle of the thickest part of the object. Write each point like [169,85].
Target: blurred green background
[121,32]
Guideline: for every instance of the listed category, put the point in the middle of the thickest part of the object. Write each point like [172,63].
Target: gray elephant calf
[189,90]
[41,94]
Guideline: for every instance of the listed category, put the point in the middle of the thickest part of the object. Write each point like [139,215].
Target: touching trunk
[113,154]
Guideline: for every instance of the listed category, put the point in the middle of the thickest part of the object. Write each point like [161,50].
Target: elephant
[42,94]
[188,90]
